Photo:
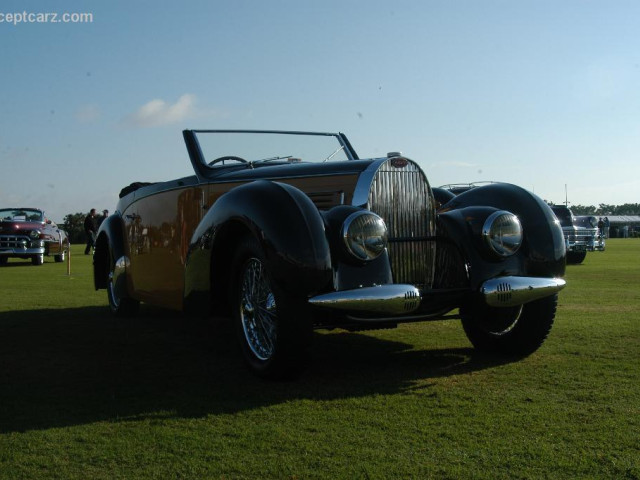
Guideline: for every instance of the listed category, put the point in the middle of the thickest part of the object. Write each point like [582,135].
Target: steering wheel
[225,158]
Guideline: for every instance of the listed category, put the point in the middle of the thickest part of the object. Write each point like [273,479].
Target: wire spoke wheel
[258,310]
[271,325]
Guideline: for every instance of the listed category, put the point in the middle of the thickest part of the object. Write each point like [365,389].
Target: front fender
[543,250]
[285,222]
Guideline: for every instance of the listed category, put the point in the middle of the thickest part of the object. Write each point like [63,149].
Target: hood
[283,170]
[7,226]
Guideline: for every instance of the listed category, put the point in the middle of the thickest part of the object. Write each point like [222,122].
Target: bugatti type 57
[287,232]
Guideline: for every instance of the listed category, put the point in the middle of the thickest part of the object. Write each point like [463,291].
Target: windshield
[564,215]
[21,215]
[221,148]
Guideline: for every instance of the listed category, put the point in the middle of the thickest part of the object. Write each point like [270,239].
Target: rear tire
[270,325]
[60,257]
[516,331]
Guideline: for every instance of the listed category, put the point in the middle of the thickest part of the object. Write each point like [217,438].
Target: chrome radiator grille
[401,195]
[12,241]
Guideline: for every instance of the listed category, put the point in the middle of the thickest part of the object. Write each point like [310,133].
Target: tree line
[605,210]
[74,226]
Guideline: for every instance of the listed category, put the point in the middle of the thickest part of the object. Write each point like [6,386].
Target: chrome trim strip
[384,299]
[361,192]
[513,291]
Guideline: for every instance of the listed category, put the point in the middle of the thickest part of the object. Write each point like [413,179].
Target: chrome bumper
[384,299]
[10,252]
[404,299]
[514,291]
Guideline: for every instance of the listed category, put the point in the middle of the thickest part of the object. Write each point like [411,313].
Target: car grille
[579,236]
[13,241]
[402,197]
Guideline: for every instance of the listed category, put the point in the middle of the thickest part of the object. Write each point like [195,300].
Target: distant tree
[74,226]
[606,210]
[627,209]
[583,209]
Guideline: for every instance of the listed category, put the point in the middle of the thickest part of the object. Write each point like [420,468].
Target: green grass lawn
[83,395]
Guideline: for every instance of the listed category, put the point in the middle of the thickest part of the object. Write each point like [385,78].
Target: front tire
[270,325]
[37,259]
[60,257]
[516,331]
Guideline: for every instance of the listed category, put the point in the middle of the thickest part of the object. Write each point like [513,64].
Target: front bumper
[514,291]
[399,300]
[21,252]
[394,299]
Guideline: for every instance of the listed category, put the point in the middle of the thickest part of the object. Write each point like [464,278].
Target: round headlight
[34,233]
[502,232]
[365,235]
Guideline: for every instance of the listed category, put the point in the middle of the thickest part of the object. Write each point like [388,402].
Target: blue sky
[537,93]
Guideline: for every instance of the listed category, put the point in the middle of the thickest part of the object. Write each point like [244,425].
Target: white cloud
[157,112]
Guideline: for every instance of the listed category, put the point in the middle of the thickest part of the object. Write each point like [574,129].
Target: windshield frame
[203,170]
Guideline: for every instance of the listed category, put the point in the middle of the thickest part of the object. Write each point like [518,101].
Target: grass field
[84,396]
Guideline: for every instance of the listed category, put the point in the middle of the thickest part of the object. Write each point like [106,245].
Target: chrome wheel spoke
[258,310]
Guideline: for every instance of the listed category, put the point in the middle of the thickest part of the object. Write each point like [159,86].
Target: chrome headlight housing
[502,233]
[365,235]
[34,234]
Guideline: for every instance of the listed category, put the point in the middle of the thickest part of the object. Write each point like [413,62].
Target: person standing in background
[103,217]
[90,229]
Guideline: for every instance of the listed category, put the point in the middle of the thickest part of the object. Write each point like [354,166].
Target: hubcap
[258,310]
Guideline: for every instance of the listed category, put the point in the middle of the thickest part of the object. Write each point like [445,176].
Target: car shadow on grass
[64,367]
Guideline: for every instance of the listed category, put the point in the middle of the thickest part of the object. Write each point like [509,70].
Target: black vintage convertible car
[288,232]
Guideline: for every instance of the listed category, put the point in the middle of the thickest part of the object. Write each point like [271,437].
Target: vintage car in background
[597,241]
[581,235]
[287,232]
[27,233]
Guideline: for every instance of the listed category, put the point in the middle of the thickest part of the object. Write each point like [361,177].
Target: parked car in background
[597,242]
[27,233]
[288,232]
[581,235]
